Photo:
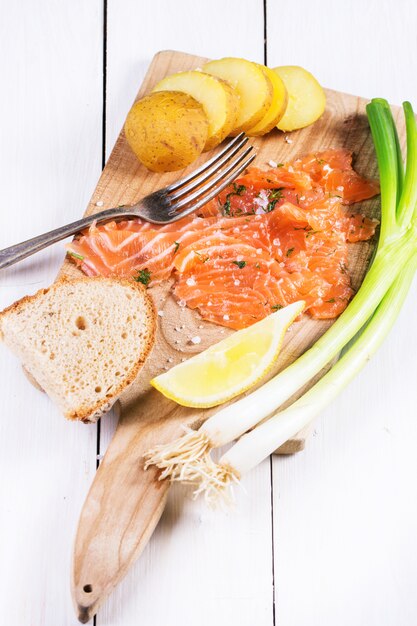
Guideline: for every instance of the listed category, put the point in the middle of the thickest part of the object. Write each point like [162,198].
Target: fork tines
[219,171]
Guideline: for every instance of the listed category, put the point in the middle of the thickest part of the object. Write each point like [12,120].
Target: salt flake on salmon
[271,238]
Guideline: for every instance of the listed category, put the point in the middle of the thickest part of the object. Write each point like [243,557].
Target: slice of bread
[82,340]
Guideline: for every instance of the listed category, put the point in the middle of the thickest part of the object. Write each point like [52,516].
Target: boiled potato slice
[234,101]
[252,85]
[306,99]
[277,107]
[219,100]
[166,130]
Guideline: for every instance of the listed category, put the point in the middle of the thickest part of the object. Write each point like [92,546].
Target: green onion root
[180,459]
[183,459]
[254,447]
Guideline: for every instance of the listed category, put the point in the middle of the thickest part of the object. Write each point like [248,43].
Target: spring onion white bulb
[189,457]
[255,446]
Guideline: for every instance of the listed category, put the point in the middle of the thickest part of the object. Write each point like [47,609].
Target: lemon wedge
[231,366]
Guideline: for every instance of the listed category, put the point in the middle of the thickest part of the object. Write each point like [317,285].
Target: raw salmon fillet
[273,237]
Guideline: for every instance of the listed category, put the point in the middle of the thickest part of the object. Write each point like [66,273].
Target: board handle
[124,503]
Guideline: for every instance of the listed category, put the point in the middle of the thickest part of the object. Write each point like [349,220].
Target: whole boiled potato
[167,130]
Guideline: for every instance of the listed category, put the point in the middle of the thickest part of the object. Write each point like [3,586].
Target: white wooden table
[325,538]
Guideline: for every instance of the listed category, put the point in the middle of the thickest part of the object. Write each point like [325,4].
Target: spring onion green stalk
[257,445]
[189,457]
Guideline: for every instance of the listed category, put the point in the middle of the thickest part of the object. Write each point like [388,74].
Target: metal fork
[160,207]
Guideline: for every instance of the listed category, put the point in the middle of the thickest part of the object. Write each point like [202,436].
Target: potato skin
[167,130]
[218,99]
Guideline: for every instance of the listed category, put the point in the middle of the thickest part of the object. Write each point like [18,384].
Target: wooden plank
[377,61]
[214,30]
[345,509]
[50,127]
[186,523]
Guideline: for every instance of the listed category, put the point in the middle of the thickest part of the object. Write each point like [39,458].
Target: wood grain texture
[208,31]
[352,486]
[345,509]
[146,419]
[365,48]
[49,161]
[220,586]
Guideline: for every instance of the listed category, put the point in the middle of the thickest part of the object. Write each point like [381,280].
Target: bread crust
[94,411]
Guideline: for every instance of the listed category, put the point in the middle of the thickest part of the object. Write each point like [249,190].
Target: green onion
[368,318]
[255,446]
[407,202]
[75,255]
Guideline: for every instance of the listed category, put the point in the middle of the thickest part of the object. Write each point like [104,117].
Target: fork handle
[20,251]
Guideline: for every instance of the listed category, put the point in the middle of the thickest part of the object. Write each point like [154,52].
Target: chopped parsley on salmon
[271,238]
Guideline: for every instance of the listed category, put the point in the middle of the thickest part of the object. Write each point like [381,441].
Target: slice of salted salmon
[272,237]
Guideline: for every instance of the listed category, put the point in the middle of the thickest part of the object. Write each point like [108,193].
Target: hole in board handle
[87,588]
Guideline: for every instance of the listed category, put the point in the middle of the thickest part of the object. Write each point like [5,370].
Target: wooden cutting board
[125,503]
